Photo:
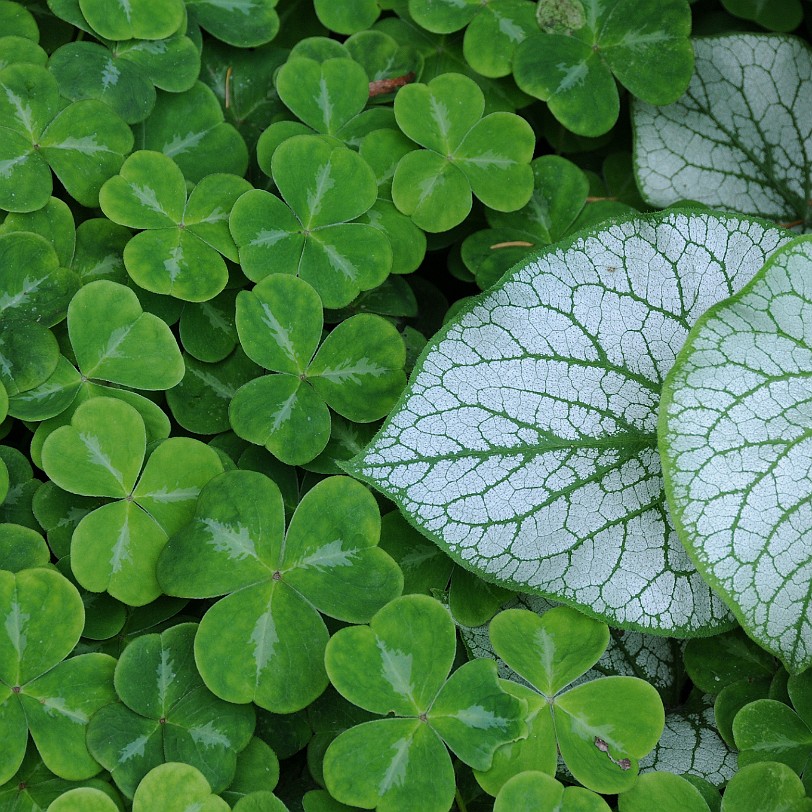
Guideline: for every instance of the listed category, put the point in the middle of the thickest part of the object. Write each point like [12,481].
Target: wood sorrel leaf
[163,697]
[770,786]
[83,799]
[734,439]
[265,642]
[400,663]
[141,19]
[176,787]
[525,445]
[663,791]
[115,340]
[243,23]
[757,162]
[534,791]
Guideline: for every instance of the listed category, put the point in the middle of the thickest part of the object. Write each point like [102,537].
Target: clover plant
[403,405]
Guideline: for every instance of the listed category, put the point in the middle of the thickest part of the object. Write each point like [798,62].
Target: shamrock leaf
[133,19]
[770,786]
[400,663]
[86,70]
[781,15]
[311,233]
[603,727]
[115,547]
[243,23]
[179,252]
[165,713]
[189,128]
[264,642]
[492,29]
[29,354]
[534,791]
[572,63]
[733,439]
[34,786]
[83,799]
[347,16]
[84,143]
[54,700]
[574,508]
[757,162]
[464,153]
[357,371]
[663,791]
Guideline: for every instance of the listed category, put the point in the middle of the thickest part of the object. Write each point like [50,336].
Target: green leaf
[784,15]
[29,355]
[492,153]
[243,23]
[387,764]
[590,336]
[733,484]
[100,452]
[643,44]
[156,680]
[279,323]
[189,128]
[549,651]
[397,663]
[770,786]
[732,162]
[358,369]
[284,414]
[175,787]
[604,727]
[347,18]
[126,346]
[85,70]
[767,730]
[325,95]
[22,548]
[141,19]
[83,799]
[664,791]
[534,791]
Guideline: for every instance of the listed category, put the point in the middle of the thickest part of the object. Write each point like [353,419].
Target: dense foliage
[405,405]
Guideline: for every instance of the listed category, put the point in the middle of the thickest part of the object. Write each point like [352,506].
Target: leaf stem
[458,799]
[382,86]
[512,244]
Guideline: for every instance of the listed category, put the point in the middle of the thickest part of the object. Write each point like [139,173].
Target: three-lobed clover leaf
[602,727]
[739,138]
[769,786]
[400,664]
[734,431]
[243,23]
[84,143]
[464,152]
[265,641]
[180,251]
[133,19]
[114,342]
[663,791]
[357,370]
[312,234]
[42,620]
[533,791]
[115,548]
[572,63]
[526,442]
[493,29]
[165,713]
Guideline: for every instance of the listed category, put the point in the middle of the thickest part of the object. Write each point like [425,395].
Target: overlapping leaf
[265,641]
[312,233]
[115,547]
[734,431]
[165,713]
[740,137]
[526,443]
[400,663]
[84,143]
[357,371]
[180,252]
[463,153]
[54,700]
